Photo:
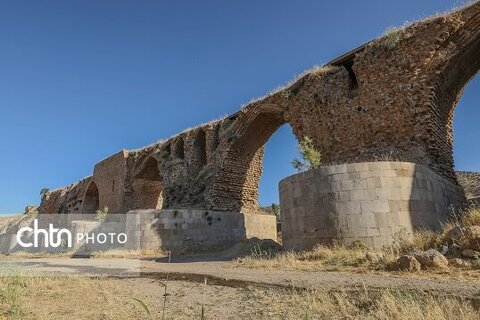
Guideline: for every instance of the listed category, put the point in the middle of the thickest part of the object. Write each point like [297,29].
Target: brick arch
[91,199]
[179,149]
[147,186]
[241,164]
[198,157]
[450,76]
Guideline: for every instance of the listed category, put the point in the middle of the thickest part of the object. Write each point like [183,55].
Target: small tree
[276,210]
[311,158]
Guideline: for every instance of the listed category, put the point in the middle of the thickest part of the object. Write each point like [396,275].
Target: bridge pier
[372,202]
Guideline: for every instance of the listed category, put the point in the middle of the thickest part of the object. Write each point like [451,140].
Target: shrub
[101,215]
[311,158]
[402,242]
[392,37]
[426,239]
[287,93]
[471,217]
[276,210]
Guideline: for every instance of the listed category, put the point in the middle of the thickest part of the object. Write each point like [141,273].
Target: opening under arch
[147,187]
[280,149]
[199,153]
[91,199]
[243,164]
[456,76]
[179,150]
[466,132]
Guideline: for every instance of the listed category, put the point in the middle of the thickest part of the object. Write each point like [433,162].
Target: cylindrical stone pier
[367,202]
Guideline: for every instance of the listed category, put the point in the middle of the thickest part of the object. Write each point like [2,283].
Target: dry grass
[354,258]
[458,5]
[114,253]
[364,305]
[53,297]
[472,218]
[287,90]
[392,37]
[423,240]
[320,258]
[10,221]
[118,253]
[23,254]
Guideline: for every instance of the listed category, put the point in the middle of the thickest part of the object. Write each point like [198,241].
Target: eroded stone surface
[407,263]
[431,259]
[470,181]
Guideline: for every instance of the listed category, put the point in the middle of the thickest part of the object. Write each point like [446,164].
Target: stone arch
[147,186]
[451,76]
[215,141]
[179,149]
[198,158]
[165,151]
[242,161]
[91,199]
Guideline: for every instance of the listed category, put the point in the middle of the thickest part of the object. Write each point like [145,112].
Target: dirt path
[228,273]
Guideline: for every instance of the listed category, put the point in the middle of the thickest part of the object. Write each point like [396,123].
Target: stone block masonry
[367,202]
[187,231]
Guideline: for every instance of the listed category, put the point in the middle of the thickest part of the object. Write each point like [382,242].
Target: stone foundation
[189,230]
[177,230]
[368,202]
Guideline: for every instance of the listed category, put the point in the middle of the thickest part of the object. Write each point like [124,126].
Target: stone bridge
[390,99]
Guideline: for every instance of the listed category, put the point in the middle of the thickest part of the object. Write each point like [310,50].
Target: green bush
[311,158]
[101,215]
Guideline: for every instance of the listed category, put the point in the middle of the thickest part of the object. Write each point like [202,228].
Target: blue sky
[81,80]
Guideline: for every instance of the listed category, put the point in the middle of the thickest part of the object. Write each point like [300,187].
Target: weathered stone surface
[459,263]
[455,234]
[406,263]
[431,259]
[475,244]
[193,230]
[454,249]
[471,254]
[254,246]
[31,209]
[470,181]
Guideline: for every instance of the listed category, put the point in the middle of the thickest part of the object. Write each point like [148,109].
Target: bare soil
[231,273]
